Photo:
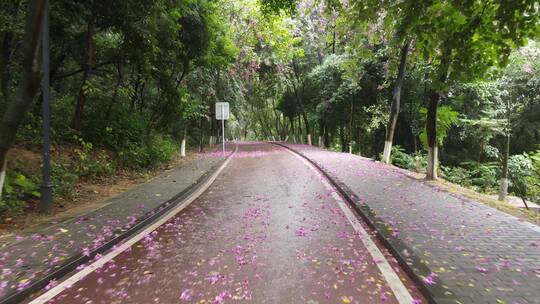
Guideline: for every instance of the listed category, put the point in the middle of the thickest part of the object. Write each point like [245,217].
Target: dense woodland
[446,87]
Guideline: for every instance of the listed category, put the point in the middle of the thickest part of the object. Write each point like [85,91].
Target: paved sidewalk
[28,257]
[462,251]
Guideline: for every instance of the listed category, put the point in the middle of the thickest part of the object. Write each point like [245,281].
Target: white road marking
[400,291]
[53,292]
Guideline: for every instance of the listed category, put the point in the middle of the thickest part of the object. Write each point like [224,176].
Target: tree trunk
[160,111]
[334,38]
[326,137]
[503,191]
[292,129]
[81,100]
[431,121]
[415,144]
[28,85]
[279,126]
[342,139]
[5,55]
[183,144]
[7,50]
[300,134]
[201,135]
[265,129]
[351,126]
[431,130]
[321,133]
[141,96]
[136,85]
[396,98]
[212,135]
[3,170]
[119,81]
[285,127]
[358,137]
[306,123]
[299,96]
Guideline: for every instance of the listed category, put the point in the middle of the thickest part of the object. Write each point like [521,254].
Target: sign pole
[223,129]
[222,113]
[45,204]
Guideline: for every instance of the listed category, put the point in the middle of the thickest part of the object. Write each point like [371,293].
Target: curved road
[270,229]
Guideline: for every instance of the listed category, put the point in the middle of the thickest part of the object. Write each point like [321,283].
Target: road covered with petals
[270,229]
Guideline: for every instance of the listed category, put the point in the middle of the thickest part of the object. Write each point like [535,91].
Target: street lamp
[45,204]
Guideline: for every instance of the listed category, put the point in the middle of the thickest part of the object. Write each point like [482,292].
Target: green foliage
[457,175]
[18,188]
[193,110]
[19,184]
[63,176]
[157,150]
[524,170]
[532,182]
[446,118]
[90,164]
[270,7]
[286,67]
[87,162]
[161,149]
[414,162]
[484,177]
[472,36]
[126,128]
[26,185]
[327,80]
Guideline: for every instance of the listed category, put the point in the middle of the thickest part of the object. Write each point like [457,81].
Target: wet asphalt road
[268,230]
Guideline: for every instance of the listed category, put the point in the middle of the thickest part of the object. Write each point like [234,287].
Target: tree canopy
[135,77]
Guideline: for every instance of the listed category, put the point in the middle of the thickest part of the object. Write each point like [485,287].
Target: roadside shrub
[484,176]
[17,189]
[161,149]
[90,165]
[134,156]
[61,131]
[157,150]
[524,171]
[457,175]
[116,128]
[533,182]
[400,158]
[63,176]
[415,162]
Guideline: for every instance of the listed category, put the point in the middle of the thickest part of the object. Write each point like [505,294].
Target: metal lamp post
[46,185]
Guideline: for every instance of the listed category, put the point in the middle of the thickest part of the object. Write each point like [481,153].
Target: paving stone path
[26,257]
[473,253]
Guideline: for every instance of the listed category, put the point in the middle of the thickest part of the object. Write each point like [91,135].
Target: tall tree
[396,98]
[473,36]
[28,83]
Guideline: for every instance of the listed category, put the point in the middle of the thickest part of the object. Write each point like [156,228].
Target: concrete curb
[78,259]
[410,263]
